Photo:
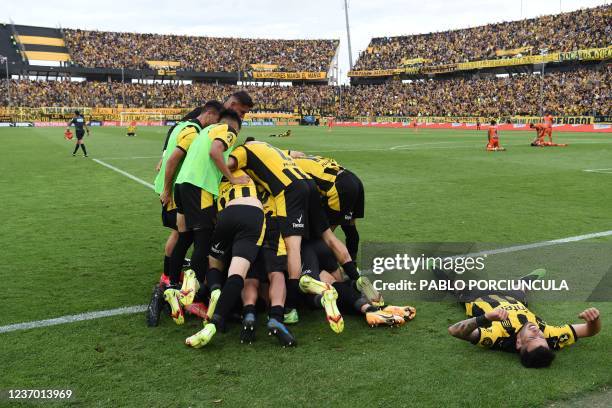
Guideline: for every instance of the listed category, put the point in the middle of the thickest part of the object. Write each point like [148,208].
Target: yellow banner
[587,55]
[527,60]
[293,76]
[163,64]
[414,61]
[514,51]
[264,67]
[378,72]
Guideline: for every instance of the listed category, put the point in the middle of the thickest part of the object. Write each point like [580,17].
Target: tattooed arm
[468,329]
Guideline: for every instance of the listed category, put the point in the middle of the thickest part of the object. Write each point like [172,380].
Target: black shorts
[317,257]
[239,230]
[197,205]
[304,214]
[80,134]
[267,261]
[169,218]
[347,199]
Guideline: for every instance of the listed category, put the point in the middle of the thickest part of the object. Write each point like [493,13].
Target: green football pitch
[77,236]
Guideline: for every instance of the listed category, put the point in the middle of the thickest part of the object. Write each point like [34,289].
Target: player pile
[261,223]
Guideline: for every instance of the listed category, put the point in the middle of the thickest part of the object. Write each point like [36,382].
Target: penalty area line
[125,173]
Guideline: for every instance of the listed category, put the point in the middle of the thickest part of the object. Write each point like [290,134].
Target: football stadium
[240,205]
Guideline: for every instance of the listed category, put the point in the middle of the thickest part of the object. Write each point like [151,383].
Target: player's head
[531,125]
[249,139]
[76,112]
[231,118]
[193,114]
[532,346]
[493,123]
[210,113]
[240,102]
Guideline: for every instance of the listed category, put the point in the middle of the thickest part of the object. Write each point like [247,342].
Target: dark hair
[493,122]
[193,114]
[531,125]
[538,357]
[76,112]
[212,104]
[249,139]
[232,115]
[244,98]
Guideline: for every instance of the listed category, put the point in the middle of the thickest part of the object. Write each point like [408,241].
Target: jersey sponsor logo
[487,342]
[299,223]
[348,216]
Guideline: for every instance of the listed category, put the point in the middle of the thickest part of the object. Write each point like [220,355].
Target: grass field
[78,237]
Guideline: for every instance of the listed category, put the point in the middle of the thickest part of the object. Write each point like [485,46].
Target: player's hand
[589,315]
[164,197]
[497,315]
[240,180]
[158,166]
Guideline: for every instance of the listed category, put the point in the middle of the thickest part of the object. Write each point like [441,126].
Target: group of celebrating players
[261,223]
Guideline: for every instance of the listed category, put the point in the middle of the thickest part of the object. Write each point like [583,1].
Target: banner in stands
[414,61]
[513,52]
[377,72]
[599,128]
[591,54]
[164,64]
[603,119]
[264,67]
[293,76]
[561,120]
[439,69]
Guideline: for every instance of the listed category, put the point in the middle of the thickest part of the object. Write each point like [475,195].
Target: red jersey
[493,133]
[548,120]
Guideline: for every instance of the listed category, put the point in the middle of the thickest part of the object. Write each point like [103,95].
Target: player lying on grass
[196,185]
[502,321]
[541,133]
[238,234]
[323,283]
[80,126]
[283,134]
[493,139]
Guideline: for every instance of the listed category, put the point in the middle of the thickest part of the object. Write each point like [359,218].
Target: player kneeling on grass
[324,282]
[239,231]
[502,321]
[131,129]
[493,144]
[268,270]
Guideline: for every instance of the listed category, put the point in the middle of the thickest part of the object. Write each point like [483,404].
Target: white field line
[125,173]
[141,308]
[602,171]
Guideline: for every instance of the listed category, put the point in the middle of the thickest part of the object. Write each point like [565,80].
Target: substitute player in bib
[238,234]
[493,137]
[80,127]
[196,185]
[194,121]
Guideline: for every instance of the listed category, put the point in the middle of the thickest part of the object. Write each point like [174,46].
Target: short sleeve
[224,134]
[489,336]
[185,138]
[559,337]
[240,155]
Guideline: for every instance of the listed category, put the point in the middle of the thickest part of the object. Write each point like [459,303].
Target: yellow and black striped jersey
[322,170]
[268,166]
[219,131]
[502,335]
[229,191]
[268,202]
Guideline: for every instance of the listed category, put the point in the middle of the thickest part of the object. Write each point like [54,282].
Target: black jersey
[78,122]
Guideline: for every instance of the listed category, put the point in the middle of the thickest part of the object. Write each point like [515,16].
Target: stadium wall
[597,128]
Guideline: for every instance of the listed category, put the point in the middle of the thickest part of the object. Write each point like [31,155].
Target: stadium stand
[582,29]
[576,92]
[204,54]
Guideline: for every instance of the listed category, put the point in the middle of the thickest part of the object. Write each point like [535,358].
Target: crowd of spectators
[101,49]
[587,28]
[577,92]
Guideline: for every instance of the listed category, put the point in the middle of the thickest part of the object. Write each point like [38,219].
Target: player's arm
[159,163]
[216,154]
[592,324]
[295,154]
[86,128]
[171,165]
[468,329]
[69,124]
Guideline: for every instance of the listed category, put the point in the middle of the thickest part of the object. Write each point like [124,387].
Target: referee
[80,126]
